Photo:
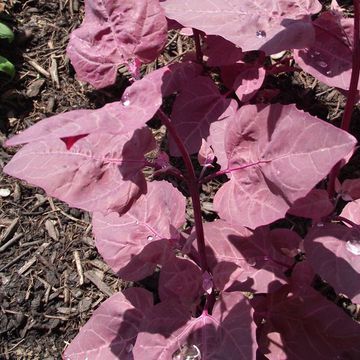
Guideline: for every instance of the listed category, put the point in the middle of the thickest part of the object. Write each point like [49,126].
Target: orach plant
[234,288]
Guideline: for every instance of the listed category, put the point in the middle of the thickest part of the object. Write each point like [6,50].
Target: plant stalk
[199,53]
[193,188]
[352,94]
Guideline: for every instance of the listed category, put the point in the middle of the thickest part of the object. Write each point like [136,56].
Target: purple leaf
[252,25]
[195,109]
[101,172]
[181,280]
[249,81]
[277,154]
[114,32]
[168,333]
[221,52]
[133,244]
[241,260]
[299,323]
[315,205]
[329,59]
[334,253]
[112,330]
[206,154]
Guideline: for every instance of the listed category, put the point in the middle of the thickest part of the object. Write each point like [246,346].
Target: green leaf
[6,33]
[7,67]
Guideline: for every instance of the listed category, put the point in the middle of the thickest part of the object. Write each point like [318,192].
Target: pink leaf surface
[181,280]
[132,244]
[101,172]
[241,260]
[352,212]
[112,330]
[248,82]
[329,59]
[315,205]
[167,333]
[297,326]
[114,32]
[220,51]
[334,253]
[252,25]
[277,154]
[195,108]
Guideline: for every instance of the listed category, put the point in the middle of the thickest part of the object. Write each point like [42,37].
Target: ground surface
[51,277]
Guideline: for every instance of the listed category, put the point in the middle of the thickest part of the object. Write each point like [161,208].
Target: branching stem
[193,188]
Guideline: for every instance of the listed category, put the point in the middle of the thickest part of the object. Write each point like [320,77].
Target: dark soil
[51,276]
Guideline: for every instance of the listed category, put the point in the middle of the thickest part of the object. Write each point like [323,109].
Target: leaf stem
[199,53]
[193,188]
[352,94]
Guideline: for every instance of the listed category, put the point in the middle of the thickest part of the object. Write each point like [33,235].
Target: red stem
[352,94]
[193,188]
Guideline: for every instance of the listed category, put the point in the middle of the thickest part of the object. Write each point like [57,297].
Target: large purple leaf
[112,330]
[334,252]
[265,25]
[180,279]
[241,260]
[168,333]
[299,323]
[101,172]
[195,109]
[137,236]
[114,32]
[329,58]
[277,154]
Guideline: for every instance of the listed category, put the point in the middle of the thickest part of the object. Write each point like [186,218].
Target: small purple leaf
[248,81]
[221,52]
